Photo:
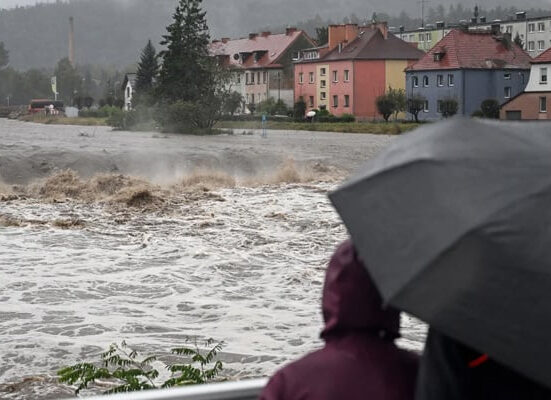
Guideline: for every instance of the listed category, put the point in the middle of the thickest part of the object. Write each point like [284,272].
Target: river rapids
[152,239]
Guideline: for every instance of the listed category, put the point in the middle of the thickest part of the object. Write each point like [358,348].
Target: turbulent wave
[118,189]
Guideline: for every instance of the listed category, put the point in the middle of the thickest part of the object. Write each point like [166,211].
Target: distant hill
[112,32]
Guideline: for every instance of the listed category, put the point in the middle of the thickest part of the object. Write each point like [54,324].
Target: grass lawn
[385,128]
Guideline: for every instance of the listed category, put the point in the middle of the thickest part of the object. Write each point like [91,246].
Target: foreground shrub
[130,372]
[490,108]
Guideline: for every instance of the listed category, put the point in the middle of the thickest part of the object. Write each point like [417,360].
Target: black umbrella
[454,224]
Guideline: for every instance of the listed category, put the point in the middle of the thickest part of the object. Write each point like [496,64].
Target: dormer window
[439,55]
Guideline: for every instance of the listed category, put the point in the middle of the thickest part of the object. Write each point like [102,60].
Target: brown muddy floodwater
[150,238]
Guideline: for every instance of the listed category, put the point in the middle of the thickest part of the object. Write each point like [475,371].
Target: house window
[425,81]
[531,28]
[412,38]
[415,81]
[265,77]
[252,80]
[311,101]
[451,80]
[543,104]
[346,75]
[541,45]
[531,46]
[428,36]
[440,80]
[426,106]
[543,76]
[323,95]
[335,101]
[246,78]
[323,71]
[507,92]
[421,37]
[346,100]
[323,83]
[541,26]
[335,76]
[247,98]
[509,29]
[301,78]
[507,76]
[252,98]
[311,77]
[258,78]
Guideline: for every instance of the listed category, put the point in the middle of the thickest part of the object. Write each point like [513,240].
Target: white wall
[534,83]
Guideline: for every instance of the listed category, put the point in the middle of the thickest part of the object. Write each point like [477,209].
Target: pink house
[359,64]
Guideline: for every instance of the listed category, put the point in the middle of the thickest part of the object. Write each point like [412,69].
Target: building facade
[262,64]
[535,33]
[469,67]
[359,64]
[534,102]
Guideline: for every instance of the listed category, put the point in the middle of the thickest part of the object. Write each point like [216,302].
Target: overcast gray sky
[13,3]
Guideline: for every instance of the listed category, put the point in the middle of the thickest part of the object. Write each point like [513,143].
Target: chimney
[402,28]
[342,34]
[440,24]
[482,20]
[266,34]
[225,40]
[72,41]
[474,20]
[383,27]
[252,36]
[290,31]
[521,15]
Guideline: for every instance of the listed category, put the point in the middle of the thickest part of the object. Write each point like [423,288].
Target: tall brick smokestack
[72,41]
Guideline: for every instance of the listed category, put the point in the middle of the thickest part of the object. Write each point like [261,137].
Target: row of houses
[535,33]
[360,63]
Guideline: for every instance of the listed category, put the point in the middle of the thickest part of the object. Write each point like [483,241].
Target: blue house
[470,67]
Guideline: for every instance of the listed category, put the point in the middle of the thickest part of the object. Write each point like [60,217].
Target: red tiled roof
[269,49]
[473,50]
[544,57]
[371,45]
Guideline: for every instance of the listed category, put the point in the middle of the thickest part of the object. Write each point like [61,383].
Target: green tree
[148,68]
[490,108]
[322,35]
[448,107]
[416,104]
[69,81]
[399,100]
[186,66]
[299,109]
[232,103]
[4,55]
[385,106]
[518,41]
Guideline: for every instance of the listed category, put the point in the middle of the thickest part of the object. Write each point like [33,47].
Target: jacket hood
[351,301]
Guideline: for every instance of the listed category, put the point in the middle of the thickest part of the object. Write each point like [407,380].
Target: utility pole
[423,2]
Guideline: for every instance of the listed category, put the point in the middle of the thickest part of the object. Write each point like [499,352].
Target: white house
[128,86]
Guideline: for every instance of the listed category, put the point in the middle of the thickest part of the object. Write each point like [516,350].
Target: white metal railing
[239,390]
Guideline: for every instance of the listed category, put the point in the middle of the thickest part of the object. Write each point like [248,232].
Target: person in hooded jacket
[360,359]
[453,371]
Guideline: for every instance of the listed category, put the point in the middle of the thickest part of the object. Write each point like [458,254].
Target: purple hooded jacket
[360,359]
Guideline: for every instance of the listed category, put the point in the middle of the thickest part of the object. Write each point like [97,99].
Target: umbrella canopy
[454,224]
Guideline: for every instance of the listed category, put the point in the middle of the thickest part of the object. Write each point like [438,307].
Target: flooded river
[149,238]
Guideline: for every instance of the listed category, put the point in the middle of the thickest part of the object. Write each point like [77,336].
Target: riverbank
[376,128]
[60,120]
